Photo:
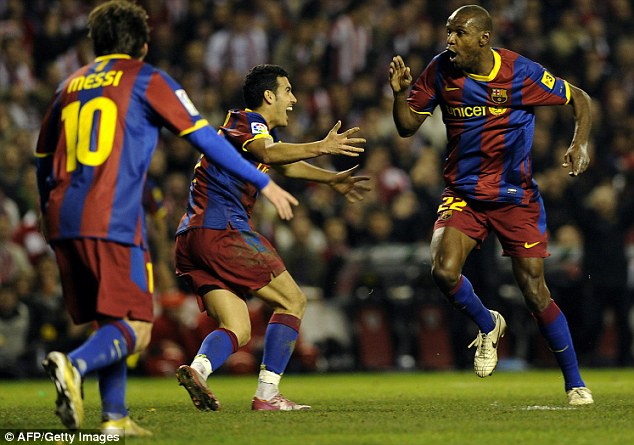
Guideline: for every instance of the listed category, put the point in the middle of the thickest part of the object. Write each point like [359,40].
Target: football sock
[109,344]
[112,385]
[215,350]
[268,385]
[466,301]
[279,342]
[554,327]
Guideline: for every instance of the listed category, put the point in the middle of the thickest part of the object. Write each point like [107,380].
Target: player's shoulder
[511,57]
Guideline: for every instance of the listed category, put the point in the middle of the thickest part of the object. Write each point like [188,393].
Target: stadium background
[365,266]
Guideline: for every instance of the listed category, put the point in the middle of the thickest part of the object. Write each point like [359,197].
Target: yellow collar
[497,63]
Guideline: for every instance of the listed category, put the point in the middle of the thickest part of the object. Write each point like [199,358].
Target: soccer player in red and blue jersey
[93,153]
[487,97]
[221,256]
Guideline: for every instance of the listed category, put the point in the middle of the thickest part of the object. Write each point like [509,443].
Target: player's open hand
[281,200]
[350,186]
[341,143]
[576,158]
[400,75]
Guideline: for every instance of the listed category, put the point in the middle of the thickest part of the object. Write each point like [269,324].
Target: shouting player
[224,259]
[487,98]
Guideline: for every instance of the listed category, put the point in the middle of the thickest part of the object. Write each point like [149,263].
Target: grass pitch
[374,408]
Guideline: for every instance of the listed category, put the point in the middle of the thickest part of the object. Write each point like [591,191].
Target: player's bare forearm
[335,143]
[576,157]
[353,188]
[407,122]
[308,172]
[582,106]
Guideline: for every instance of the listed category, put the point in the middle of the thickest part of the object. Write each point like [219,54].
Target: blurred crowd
[364,266]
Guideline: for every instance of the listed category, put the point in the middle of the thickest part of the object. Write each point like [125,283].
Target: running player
[93,153]
[487,98]
[224,259]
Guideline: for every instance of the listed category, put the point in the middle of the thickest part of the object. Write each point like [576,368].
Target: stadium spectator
[481,91]
[14,260]
[222,257]
[604,217]
[14,333]
[239,44]
[91,189]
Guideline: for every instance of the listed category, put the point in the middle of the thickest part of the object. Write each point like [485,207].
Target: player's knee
[243,335]
[143,333]
[298,305]
[445,277]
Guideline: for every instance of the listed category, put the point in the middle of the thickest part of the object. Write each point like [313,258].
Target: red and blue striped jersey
[97,140]
[490,122]
[218,199]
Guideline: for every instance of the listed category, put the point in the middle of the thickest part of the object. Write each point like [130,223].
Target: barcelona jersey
[490,122]
[218,199]
[98,137]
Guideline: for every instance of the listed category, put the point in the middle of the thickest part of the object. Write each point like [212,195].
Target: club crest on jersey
[445,215]
[187,103]
[499,95]
[259,128]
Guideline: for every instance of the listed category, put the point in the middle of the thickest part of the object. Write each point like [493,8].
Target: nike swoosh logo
[561,350]
[451,88]
[528,246]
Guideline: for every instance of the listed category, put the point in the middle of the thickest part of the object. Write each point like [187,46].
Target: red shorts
[520,229]
[235,260]
[105,278]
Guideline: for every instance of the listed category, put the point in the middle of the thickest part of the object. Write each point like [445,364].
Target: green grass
[376,408]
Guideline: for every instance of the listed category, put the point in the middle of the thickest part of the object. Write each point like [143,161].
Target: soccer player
[93,153]
[224,259]
[487,98]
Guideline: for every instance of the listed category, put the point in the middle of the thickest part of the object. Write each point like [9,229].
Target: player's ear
[269,96]
[485,38]
[144,51]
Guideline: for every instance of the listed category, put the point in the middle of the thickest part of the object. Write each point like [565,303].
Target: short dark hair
[480,17]
[118,27]
[258,80]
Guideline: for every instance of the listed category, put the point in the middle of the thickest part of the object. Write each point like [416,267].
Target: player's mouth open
[289,108]
[452,55]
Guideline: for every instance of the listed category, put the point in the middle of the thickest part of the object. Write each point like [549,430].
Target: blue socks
[466,301]
[109,344]
[554,327]
[112,385]
[105,352]
[279,342]
[218,346]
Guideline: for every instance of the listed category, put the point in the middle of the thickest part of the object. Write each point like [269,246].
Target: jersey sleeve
[246,127]
[422,98]
[542,88]
[172,105]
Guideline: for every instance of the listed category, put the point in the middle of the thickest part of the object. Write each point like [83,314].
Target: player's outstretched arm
[351,187]
[400,76]
[576,157]
[335,143]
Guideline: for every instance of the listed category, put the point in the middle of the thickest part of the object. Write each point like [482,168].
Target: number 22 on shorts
[451,203]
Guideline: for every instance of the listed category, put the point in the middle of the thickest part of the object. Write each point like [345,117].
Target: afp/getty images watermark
[59,437]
